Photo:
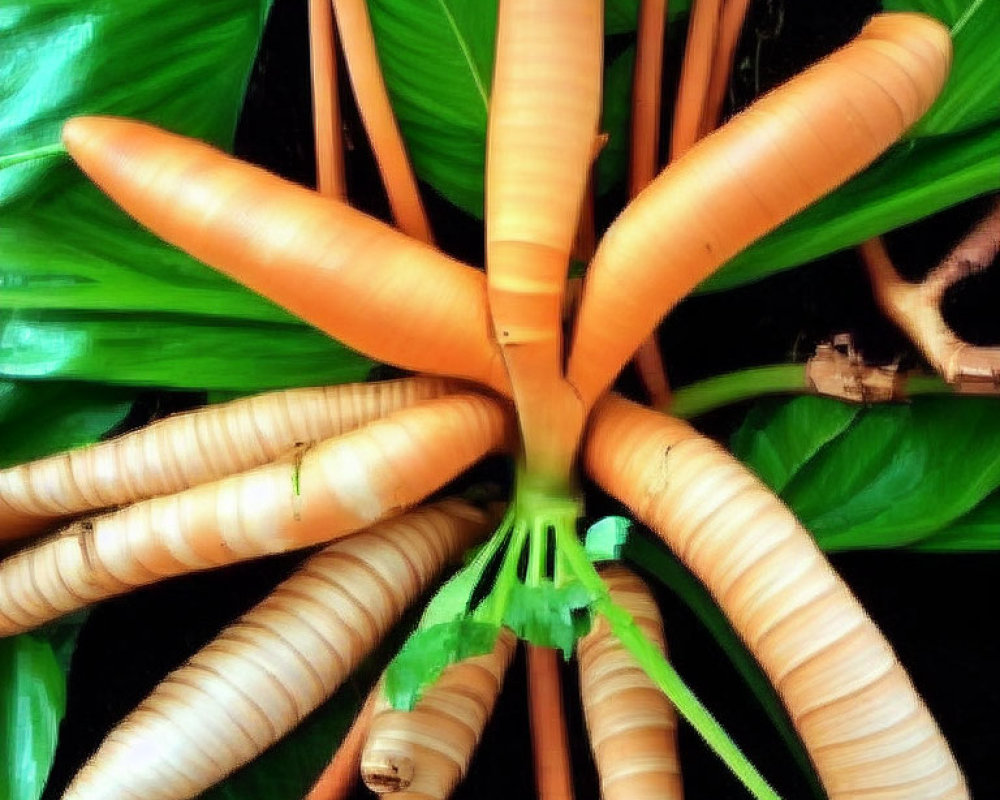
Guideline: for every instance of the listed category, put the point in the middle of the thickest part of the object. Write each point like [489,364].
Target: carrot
[262,675]
[328,264]
[326,105]
[361,57]
[340,777]
[553,772]
[335,488]
[544,109]
[789,148]
[864,725]
[423,754]
[734,14]
[632,725]
[195,447]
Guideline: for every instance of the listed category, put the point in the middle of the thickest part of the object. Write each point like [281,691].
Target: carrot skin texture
[361,57]
[262,675]
[865,727]
[785,151]
[543,116]
[433,744]
[195,447]
[334,489]
[332,266]
[632,725]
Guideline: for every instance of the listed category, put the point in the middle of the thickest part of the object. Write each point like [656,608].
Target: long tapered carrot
[333,489]
[330,179]
[361,57]
[550,744]
[195,447]
[262,675]
[544,110]
[789,148]
[632,725]
[423,754]
[341,775]
[864,725]
[342,271]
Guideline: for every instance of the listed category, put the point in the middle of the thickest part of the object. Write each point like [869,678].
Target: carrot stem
[692,93]
[733,16]
[35,154]
[553,773]
[341,775]
[326,107]
[361,55]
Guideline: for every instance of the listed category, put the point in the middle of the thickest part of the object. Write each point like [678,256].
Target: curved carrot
[789,148]
[335,488]
[632,725]
[326,105]
[262,675]
[544,109]
[340,270]
[361,57]
[864,725]
[423,754]
[195,447]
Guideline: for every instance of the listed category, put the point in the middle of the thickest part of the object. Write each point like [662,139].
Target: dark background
[938,610]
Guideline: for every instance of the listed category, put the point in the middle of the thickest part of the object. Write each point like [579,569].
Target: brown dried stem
[916,307]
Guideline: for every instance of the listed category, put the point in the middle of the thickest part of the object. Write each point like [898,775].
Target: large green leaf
[190,351]
[64,248]
[977,530]
[37,419]
[972,94]
[895,475]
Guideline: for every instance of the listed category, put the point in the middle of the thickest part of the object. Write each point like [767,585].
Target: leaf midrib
[466,53]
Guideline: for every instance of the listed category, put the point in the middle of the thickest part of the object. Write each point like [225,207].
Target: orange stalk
[338,780]
[553,772]
[699,54]
[734,14]
[326,106]
[361,56]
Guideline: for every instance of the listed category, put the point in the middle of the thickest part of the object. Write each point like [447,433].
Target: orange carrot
[340,777]
[333,489]
[334,267]
[789,148]
[262,675]
[865,727]
[553,772]
[632,725]
[544,109]
[361,57]
[423,754]
[326,105]
[194,447]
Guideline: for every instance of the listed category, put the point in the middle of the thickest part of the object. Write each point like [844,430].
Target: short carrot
[342,271]
[789,148]
[262,675]
[859,716]
[361,57]
[544,110]
[195,447]
[632,725]
[333,489]
[423,754]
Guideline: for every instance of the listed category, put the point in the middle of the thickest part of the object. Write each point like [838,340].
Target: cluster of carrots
[346,465]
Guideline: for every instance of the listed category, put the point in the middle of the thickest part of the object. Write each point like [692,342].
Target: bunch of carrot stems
[308,467]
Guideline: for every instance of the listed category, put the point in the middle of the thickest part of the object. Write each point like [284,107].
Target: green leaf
[914,180]
[972,94]
[606,538]
[33,670]
[190,352]
[437,60]
[656,561]
[894,476]
[37,419]
[548,615]
[977,530]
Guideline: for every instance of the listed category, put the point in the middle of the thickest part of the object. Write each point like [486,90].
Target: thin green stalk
[46,151]
[748,384]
